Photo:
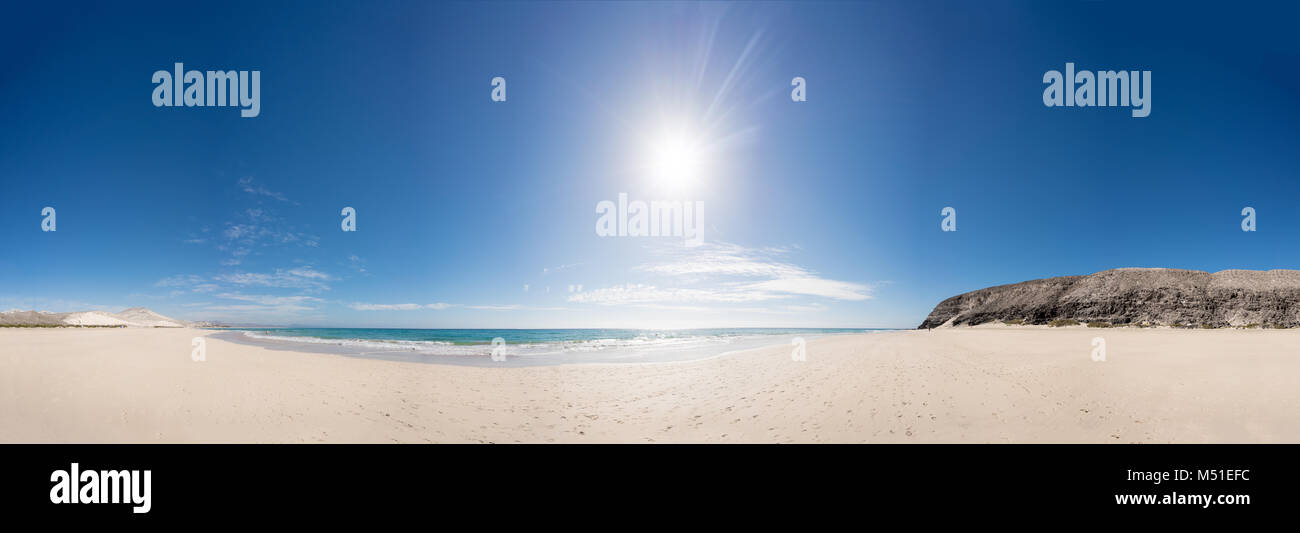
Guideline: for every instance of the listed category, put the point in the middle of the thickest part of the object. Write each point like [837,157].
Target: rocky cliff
[1154,296]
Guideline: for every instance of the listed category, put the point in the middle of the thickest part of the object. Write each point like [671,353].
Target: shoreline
[649,354]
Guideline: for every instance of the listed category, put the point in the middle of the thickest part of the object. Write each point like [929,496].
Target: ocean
[528,347]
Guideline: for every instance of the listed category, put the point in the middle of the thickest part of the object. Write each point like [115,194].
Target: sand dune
[93,318]
[951,385]
[133,317]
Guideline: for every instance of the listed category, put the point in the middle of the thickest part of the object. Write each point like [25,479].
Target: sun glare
[676,162]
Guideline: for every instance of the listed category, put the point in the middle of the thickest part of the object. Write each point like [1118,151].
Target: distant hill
[1154,296]
[133,317]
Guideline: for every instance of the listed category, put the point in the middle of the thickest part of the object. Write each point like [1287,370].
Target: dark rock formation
[1154,296]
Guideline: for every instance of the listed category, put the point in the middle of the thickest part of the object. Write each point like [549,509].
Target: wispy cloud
[268,299]
[441,306]
[257,227]
[355,262]
[386,307]
[253,307]
[561,268]
[248,185]
[180,280]
[259,307]
[638,293]
[295,278]
[722,273]
[205,287]
[258,312]
[809,286]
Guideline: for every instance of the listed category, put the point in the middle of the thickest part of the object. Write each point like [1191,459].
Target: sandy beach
[965,385]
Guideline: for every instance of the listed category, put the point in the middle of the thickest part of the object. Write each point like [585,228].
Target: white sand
[950,385]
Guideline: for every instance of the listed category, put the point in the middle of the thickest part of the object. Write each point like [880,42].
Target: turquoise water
[534,346]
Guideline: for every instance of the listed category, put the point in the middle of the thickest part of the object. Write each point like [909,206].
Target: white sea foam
[375,344]
[645,347]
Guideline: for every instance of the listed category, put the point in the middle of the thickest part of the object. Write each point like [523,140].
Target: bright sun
[676,162]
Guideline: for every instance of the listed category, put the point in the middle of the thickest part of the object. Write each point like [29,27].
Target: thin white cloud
[355,262]
[722,259]
[284,311]
[294,278]
[247,185]
[268,299]
[385,307]
[825,288]
[508,307]
[256,227]
[179,280]
[561,268]
[638,293]
[722,273]
[440,306]
[309,273]
[252,307]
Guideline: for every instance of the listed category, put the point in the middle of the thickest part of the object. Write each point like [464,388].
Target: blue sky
[474,213]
